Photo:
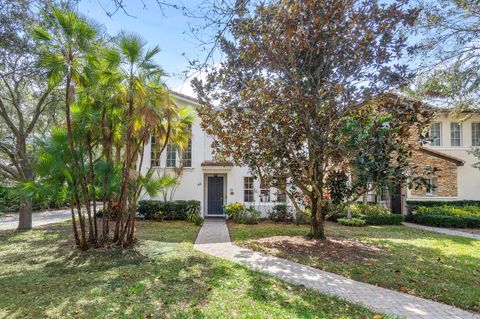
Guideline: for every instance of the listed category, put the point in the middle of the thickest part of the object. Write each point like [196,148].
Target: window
[455,134]
[187,153]
[436,134]
[154,152]
[475,134]
[281,197]
[248,189]
[171,155]
[432,188]
[264,193]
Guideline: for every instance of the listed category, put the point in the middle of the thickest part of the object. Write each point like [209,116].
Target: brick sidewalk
[212,240]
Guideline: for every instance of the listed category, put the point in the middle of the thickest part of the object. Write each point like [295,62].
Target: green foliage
[369,210]
[281,213]
[413,204]
[467,211]
[240,214]
[384,219]
[445,221]
[354,222]
[176,210]
[234,210]
[337,185]
[371,214]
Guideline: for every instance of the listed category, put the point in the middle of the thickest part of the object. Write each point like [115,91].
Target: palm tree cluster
[114,101]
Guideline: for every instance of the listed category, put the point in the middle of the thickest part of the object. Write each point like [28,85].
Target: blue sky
[168,30]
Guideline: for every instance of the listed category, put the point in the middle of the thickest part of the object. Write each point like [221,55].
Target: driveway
[10,221]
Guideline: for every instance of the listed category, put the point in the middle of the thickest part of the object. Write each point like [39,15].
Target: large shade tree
[449,51]
[28,104]
[299,96]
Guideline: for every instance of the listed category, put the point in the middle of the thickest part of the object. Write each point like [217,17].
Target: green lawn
[439,267]
[43,276]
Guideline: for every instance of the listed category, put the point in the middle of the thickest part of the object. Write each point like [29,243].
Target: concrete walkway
[211,240]
[445,231]
[10,221]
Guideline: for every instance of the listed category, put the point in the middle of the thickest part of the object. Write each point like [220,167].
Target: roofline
[184,97]
[453,159]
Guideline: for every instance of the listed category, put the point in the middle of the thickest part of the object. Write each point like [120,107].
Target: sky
[169,30]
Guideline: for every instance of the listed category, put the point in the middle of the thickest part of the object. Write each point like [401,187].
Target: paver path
[10,221]
[211,240]
[444,231]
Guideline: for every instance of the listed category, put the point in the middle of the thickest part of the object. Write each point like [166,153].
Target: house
[216,184]
[213,183]
[452,137]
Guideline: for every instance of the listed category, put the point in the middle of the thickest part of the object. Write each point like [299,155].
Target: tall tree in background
[449,47]
[300,94]
[27,101]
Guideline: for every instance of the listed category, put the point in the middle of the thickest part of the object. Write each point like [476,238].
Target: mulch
[335,249]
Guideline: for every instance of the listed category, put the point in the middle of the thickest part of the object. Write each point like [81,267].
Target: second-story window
[171,155]
[455,134]
[475,134]
[187,153]
[436,134]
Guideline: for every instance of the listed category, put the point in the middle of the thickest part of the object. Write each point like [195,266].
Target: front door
[215,195]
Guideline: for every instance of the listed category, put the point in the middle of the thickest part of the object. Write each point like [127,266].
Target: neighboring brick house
[452,138]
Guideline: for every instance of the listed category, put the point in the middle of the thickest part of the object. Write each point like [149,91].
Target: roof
[185,97]
[453,159]
[215,163]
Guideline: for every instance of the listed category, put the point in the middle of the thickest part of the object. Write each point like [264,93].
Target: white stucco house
[202,178]
[216,184]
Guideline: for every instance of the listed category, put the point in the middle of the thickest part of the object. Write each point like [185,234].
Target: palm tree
[67,40]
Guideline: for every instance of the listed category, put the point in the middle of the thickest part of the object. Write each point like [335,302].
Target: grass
[434,266]
[43,276]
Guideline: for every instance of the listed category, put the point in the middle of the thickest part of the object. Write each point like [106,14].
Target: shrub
[467,211]
[249,216]
[445,221]
[234,210]
[281,213]
[354,222]
[413,204]
[369,210]
[160,210]
[387,219]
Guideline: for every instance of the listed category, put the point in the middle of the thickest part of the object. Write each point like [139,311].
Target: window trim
[171,149]
[473,136]
[440,143]
[245,189]
[432,191]
[460,138]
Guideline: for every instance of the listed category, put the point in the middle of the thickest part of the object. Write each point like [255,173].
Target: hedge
[465,211]
[412,204]
[160,210]
[387,219]
[445,221]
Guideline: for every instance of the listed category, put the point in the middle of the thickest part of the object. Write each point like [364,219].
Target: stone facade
[446,176]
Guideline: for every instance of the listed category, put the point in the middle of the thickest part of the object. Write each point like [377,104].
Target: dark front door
[215,195]
[396,201]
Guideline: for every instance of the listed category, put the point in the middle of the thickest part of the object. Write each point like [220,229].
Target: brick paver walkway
[211,240]
[444,231]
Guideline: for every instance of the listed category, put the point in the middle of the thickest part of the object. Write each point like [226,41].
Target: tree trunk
[25,215]
[318,220]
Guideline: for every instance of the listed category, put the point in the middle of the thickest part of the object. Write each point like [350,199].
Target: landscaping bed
[434,266]
[162,276]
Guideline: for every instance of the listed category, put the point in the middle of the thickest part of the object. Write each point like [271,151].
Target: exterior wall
[467,185]
[447,176]
[193,179]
